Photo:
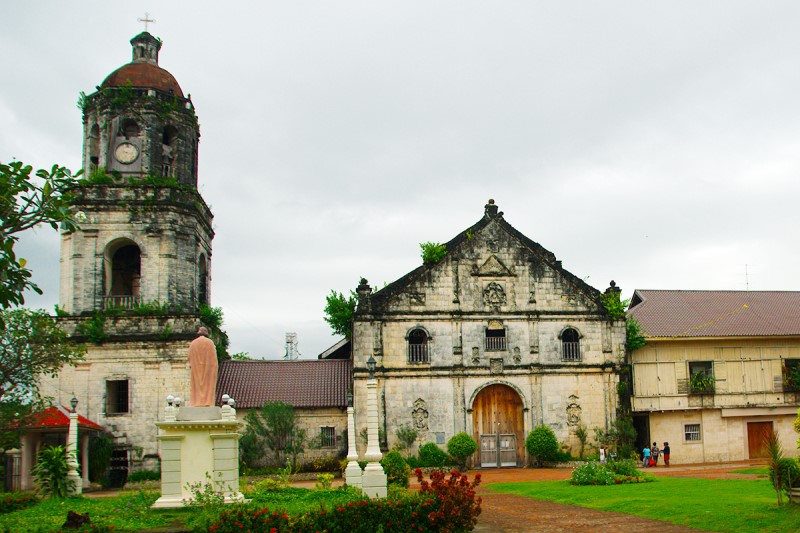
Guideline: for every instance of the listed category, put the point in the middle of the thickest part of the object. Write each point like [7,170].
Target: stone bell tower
[145,232]
[137,270]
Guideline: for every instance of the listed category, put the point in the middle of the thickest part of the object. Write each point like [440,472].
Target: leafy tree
[212,318]
[622,434]
[541,443]
[273,427]
[339,312]
[406,437]
[50,472]
[25,202]
[32,345]
[583,435]
[100,449]
[634,336]
[461,446]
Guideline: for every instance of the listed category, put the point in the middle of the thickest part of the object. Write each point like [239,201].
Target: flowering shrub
[241,518]
[613,472]
[14,501]
[458,506]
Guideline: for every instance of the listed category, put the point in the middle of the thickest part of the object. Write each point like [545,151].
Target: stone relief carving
[517,356]
[496,366]
[416,298]
[420,415]
[493,267]
[476,358]
[574,411]
[494,295]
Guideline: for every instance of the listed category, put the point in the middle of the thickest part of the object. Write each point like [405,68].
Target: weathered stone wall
[154,370]
[171,228]
[491,276]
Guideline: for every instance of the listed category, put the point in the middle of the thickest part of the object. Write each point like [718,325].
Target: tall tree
[32,345]
[339,312]
[27,199]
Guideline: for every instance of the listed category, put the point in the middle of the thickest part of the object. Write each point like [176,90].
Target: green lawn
[131,511]
[761,472]
[708,504]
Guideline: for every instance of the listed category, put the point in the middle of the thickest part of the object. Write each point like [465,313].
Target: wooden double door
[498,427]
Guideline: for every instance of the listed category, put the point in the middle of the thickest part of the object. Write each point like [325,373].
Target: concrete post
[76,484]
[352,474]
[373,482]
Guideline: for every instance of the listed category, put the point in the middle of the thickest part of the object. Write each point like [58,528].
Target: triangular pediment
[495,268]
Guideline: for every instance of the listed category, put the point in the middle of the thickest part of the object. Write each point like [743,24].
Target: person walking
[665,452]
[646,456]
[654,451]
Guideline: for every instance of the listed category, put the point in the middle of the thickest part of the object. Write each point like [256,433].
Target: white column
[352,474]
[85,460]
[373,482]
[72,455]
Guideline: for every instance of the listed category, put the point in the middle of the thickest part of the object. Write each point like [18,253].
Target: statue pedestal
[198,445]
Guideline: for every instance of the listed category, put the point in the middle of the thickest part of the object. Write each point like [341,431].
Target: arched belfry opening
[169,150]
[498,426]
[123,267]
[202,281]
[94,147]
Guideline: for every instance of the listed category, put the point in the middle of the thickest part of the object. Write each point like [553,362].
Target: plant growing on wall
[406,437]
[634,336]
[701,382]
[614,306]
[432,252]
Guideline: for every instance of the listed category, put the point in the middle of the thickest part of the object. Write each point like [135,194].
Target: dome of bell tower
[143,71]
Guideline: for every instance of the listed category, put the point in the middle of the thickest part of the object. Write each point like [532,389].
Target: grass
[760,472]
[707,504]
[130,511]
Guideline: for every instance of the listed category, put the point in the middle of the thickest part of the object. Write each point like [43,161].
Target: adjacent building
[720,369]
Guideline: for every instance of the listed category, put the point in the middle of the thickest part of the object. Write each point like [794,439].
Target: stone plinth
[200,446]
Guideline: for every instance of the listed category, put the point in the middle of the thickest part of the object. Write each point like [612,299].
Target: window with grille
[328,436]
[570,345]
[117,397]
[495,337]
[691,432]
[418,346]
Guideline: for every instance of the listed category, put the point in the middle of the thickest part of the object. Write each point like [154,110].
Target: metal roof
[303,383]
[685,314]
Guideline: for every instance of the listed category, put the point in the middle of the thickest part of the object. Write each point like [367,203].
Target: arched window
[495,340]
[123,279]
[94,147]
[168,150]
[129,128]
[202,281]
[418,346]
[570,345]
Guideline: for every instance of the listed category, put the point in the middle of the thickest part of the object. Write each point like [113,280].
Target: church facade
[493,339]
[136,272]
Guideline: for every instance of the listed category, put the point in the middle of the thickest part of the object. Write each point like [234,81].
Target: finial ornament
[147,20]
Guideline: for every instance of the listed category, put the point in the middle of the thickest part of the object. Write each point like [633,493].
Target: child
[646,456]
[654,451]
[665,452]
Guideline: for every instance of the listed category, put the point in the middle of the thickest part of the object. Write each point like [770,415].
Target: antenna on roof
[292,353]
[746,278]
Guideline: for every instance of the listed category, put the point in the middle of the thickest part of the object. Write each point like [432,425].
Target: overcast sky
[656,144]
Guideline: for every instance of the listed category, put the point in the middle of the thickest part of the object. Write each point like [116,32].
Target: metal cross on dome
[146,20]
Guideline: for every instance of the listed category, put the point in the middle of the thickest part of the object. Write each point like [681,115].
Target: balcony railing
[571,351]
[418,353]
[121,302]
[495,344]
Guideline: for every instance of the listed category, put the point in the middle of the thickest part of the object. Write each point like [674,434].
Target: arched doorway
[498,426]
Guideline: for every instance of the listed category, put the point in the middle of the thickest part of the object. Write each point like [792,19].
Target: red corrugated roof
[56,417]
[303,384]
[716,313]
